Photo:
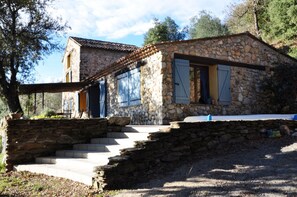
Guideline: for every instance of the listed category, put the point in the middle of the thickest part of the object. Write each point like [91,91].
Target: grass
[30,184]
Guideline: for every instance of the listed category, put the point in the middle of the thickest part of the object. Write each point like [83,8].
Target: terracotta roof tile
[104,45]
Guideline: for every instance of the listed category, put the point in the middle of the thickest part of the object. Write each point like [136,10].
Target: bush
[47,114]
[282,88]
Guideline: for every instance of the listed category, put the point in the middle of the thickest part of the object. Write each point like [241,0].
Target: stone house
[82,59]
[168,81]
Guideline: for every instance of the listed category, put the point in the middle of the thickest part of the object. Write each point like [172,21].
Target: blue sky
[123,21]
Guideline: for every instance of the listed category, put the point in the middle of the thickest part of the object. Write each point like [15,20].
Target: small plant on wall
[282,88]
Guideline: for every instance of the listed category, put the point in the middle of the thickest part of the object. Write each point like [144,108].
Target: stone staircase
[79,163]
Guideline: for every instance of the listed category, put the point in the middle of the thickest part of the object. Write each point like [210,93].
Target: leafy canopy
[206,25]
[167,30]
[27,33]
[276,19]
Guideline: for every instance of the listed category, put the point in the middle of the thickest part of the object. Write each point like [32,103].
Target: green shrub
[47,114]
[282,88]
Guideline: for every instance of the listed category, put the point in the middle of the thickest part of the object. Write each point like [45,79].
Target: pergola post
[42,100]
[35,103]
[28,104]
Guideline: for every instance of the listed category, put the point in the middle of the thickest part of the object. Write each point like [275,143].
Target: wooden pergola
[28,89]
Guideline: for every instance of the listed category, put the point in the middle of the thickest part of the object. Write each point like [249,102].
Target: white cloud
[119,18]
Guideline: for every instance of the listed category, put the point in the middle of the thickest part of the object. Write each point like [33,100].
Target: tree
[167,30]
[26,34]
[274,21]
[282,25]
[206,25]
[247,16]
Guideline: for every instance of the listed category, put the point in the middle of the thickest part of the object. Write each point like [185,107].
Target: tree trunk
[256,20]
[13,101]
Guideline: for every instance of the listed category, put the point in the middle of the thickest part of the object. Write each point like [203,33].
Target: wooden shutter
[224,84]
[181,81]
[94,101]
[102,98]
[134,87]
[123,89]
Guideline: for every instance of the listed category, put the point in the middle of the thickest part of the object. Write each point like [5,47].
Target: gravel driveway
[263,168]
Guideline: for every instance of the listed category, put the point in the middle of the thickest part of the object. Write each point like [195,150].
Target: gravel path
[263,168]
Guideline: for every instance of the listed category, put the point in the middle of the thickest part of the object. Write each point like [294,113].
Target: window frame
[126,79]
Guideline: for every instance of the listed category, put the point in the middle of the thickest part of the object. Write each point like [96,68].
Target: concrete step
[99,147]
[78,164]
[143,128]
[113,141]
[131,135]
[82,176]
[91,155]
[75,162]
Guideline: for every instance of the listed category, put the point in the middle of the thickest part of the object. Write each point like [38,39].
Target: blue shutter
[123,89]
[88,101]
[134,87]
[102,98]
[182,81]
[224,84]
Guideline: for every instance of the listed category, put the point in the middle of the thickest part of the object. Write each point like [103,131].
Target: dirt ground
[262,168]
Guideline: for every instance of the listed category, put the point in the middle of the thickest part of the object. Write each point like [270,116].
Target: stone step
[76,163]
[82,176]
[91,155]
[113,141]
[143,128]
[131,135]
[99,147]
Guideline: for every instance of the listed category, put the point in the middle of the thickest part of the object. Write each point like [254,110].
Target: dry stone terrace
[160,152]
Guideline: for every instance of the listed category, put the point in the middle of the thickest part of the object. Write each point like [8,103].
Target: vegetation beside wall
[281,87]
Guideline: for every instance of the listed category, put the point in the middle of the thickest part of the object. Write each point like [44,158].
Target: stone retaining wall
[24,140]
[164,150]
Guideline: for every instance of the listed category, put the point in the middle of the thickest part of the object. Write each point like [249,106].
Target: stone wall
[150,109]
[157,102]
[84,62]
[247,97]
[92,60]
[164,150]
[27,139]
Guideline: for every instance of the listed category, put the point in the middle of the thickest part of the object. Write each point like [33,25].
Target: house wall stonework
[84,62]
[157,94]
[92,60]
[246,94]
[150,109]
[247,97]
[73,50]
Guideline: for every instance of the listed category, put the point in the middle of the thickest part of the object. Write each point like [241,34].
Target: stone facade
[81,62]
[27,139]
[165,150]
[157,103]
[150,109]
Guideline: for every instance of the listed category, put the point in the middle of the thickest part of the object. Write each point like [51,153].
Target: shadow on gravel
[267,167]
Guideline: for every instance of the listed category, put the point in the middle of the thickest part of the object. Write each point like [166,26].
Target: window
[201,83]
[68,77]
[129,88]
[68,61]
[68,69]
